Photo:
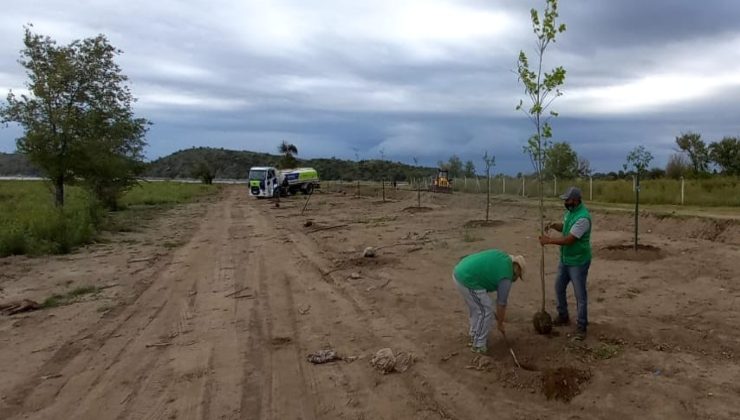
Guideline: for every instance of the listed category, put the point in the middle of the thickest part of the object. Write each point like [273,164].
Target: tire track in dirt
[351,327]
[162,343]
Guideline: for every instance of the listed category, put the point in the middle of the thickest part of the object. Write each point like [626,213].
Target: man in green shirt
[575,258]
[475,276]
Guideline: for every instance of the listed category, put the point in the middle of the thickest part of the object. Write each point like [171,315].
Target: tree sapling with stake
[542,88]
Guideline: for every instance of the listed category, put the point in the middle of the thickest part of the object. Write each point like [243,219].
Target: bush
[31,225]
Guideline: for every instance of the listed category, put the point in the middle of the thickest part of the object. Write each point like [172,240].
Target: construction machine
[442,182]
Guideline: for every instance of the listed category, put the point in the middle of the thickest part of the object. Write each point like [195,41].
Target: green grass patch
[70,297]
[469,236]
[30,224]
[151,193]
[715,191]
[606,351]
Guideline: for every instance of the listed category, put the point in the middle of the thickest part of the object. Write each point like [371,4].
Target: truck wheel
[308,190]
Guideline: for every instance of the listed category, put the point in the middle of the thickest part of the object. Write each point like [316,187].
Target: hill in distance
[232,164]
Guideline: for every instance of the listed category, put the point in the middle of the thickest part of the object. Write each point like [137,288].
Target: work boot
[580,334]
[561,321]
[480,350]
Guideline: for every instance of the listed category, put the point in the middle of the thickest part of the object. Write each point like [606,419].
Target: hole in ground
[628,253]
[564,383]
[483,223]
[364,262]
[417,209]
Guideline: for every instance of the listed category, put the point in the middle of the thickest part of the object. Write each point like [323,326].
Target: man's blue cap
[573,193]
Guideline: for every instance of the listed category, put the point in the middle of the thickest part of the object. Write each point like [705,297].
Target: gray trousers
[480,312]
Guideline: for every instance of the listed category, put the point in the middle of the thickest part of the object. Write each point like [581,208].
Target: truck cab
[264,181]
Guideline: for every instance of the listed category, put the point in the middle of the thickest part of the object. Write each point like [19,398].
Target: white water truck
[267,181]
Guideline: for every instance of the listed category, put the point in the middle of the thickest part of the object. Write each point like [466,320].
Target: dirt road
[217,323]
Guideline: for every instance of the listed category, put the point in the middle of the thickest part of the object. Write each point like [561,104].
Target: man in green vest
[575,258]
[475,276]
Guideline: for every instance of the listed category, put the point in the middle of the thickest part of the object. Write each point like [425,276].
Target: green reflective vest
[579,252]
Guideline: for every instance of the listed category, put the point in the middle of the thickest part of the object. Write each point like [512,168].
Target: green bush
[30,224]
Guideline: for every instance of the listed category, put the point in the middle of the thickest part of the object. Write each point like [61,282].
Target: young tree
[490,162]
[541,89]
[288,151]
[638,161]
[726,154]
[694,146]
[77,119]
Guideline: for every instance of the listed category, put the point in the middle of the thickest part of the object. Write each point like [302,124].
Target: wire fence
[715,191]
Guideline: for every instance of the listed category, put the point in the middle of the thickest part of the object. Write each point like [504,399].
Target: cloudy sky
[404,78]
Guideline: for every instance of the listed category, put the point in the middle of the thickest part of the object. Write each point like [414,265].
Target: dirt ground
[210,312]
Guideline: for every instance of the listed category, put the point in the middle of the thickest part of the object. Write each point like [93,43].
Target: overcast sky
[405,78]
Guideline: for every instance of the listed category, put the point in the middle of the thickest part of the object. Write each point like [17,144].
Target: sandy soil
[210,311]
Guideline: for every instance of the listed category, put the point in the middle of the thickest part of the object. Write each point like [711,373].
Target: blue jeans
[577,274]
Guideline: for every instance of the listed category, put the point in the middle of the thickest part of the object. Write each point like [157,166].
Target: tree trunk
[542,232]
[488,194]
[59,191]
[637,205]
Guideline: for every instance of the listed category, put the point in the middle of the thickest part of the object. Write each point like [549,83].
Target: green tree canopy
[288,151]
[726,154]
[469,170]
[694,146]
[561,161]
[638,160]
[77,119]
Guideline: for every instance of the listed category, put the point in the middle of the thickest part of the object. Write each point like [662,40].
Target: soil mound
[628,253]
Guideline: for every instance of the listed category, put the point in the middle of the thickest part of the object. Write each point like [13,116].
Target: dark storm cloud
[420,79]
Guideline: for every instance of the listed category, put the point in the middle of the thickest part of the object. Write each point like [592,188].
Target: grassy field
[717,191]
[30,224]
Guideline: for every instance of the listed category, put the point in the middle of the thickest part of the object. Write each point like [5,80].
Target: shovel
[506,341]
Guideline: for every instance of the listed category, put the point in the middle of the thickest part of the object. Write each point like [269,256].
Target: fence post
[555,192]
[524,185]
[634,183]
[682,190]
[503,184]
[590,188]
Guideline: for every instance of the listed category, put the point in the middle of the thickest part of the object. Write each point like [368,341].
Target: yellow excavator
[442,182]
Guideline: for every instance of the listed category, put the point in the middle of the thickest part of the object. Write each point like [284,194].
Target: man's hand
[554,225]
[544,240]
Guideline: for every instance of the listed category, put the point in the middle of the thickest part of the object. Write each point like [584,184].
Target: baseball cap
[573,193]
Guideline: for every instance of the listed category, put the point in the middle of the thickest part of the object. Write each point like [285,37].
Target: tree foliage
[638,160]
[561,161]
[77,119]
[726,155]
[469,170]
[454,165]
[692,144]
[677,166]
[288,151]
